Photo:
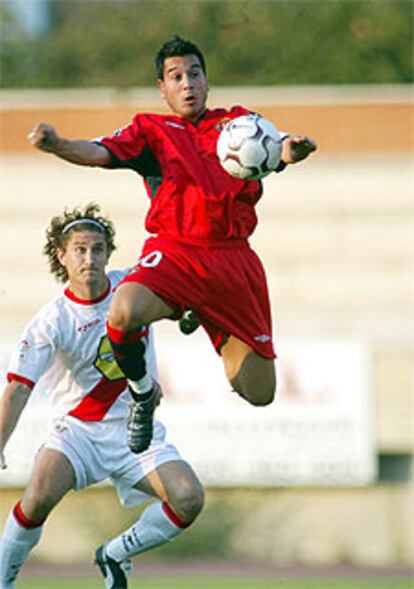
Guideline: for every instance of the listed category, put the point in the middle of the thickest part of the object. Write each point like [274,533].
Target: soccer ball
[249,147]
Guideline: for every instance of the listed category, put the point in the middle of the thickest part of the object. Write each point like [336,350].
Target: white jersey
[65,348]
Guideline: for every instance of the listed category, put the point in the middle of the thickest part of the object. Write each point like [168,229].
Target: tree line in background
[111,43]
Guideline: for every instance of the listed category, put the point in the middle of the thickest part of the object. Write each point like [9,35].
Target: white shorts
[99,450]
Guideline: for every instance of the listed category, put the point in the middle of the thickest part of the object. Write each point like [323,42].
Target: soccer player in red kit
[200,218]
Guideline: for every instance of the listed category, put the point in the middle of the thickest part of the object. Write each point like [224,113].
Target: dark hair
[61,228]
[177,46]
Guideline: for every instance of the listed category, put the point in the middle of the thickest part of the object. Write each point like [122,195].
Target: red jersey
[193,199]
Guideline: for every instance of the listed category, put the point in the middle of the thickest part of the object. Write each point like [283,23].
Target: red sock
[24,521]
[129,350]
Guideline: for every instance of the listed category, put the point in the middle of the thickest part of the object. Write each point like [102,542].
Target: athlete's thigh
[51,478]
[135,304]
[170,480]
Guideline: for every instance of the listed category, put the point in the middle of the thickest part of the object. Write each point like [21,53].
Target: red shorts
[225,286]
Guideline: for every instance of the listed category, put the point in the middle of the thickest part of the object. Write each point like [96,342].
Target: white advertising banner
[319,431]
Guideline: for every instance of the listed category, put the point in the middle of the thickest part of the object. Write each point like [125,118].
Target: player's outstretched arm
[296,148]
[12,403]
[82,152]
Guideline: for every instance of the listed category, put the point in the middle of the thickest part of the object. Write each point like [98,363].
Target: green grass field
[223,583]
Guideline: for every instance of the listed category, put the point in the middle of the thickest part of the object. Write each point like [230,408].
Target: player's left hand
[297,148]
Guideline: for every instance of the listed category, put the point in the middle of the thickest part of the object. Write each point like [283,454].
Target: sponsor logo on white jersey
[83,328]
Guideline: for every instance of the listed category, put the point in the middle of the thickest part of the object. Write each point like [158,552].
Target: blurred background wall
[335,234]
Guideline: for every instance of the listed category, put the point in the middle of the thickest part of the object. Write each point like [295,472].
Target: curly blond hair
[61,228]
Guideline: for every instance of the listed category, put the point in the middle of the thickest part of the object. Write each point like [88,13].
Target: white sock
[152,529]
[141,386]
[15,545]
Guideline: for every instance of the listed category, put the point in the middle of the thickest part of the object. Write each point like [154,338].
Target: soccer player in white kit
[65,347]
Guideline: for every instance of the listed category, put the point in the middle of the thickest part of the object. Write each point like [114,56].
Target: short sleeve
[34,352]
[126,144]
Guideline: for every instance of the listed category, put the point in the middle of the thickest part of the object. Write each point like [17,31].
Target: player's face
[184,86]
[85,258]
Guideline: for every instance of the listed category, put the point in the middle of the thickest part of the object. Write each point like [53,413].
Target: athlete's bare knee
[120,317]
[259,397]
[188,500]
[257,386]
[262,398]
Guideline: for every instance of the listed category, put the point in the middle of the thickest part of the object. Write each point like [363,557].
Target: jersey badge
[221,124]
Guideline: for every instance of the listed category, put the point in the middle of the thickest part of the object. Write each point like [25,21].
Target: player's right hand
[44,137]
